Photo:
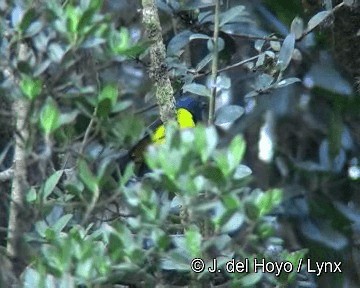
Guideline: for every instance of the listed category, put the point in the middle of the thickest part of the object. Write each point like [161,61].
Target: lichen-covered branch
[19,184]
[158,68]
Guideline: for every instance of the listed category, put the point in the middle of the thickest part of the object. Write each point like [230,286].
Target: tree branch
[6,175]
[158,69]
[19,184]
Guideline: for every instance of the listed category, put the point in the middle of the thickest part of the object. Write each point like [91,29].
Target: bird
[189,112]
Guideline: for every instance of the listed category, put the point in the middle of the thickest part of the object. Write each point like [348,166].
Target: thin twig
[88,131]
[214,68]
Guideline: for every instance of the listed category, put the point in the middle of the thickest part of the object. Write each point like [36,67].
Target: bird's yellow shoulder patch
[184,119]
[158,136]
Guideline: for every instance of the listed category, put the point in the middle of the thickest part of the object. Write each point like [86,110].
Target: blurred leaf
[109,92]
[87,177]
[41,68]
[121,106]
[317,19]
[61,223]
[34,28]
[50,116]
[193,240]
[263,82]
[221,160]
[17,15]
[119,41]
[228,114]
[135,50]
[237,12]
[221,45]
[67,118]
[51,183]
[297,27]
[205,141]
[30,87]
[199,36]
[31,195]
[241,172]
[73,16]
[234,223]
[197,89]
[250,280]
[178,42]
[205,61]
[27,18]
[92,42]
[268,200]
[259,44]
[236,151]
[286,52]
[286,82]
[56,53]
[324,233]
[106,100]
[196,4]
[41,228]
[275,45]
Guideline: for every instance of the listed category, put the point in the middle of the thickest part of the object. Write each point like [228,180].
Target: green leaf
[193,240]
[49,117]
[41,228]
[197,89]
[110,91]
[317,19]
[61,223]
[26,20]
[205,140]
[252,210]
[31,195]
[87,177]
[236,151]
[250,280]
[30,87]
[73,16]
[121,106]
[119,41]
[51,183]
[286,52]
[294,258]
[268,200]
[106,100]
[222,162]
[85,19]
[228,114]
